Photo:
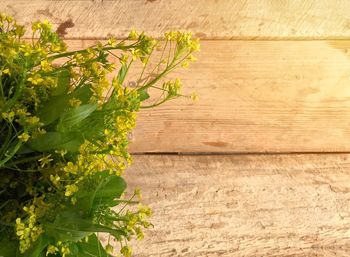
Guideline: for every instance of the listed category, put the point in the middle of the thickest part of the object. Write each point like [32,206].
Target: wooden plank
[255,96]
[245,205]
[207,19]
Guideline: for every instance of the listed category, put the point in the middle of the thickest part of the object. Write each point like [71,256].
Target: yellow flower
[6,71]
[45,160]
[29,231]
[65,251]
[194,96]
[70,190]
[124,59]
[22,112]
[33,120]
[107,132]
[137,193]
[126,251]
[145,210]
[194,45]
[71,168]
[46,24]
[112,42]
[36,26]
[191,58]
[185,64]
[9,19]
[56,48]
[62,152]
[45,66]
[74,102]
[35,80]
[73,200]
[55,179]
[139,233]
[8,116]
[109,249]
[23,137]
[41,131]
[51,250]
[171,35]
[133,35]
[135,54]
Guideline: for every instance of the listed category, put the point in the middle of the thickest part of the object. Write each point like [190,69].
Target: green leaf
[24,150]
[122,73]
[72,226]
[91,248]
[94,125]
[52,109]
[8,248]
[38,249]
[83,93]
[61,233]
[71,141]
[75,115]
[143,95]
[74,250]
[63,81]
[108,187]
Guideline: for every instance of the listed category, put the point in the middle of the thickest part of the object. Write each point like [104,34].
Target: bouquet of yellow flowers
[64,136]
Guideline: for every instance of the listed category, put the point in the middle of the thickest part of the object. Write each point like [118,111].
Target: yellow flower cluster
[88,125]
[63,249]
[60,248]
[8,116]
[126,251]
[173,88]
[74,102]
[29,230]
[184,39]
[51,249]
[70,190]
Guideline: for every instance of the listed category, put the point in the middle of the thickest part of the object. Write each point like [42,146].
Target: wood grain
[207,19]
[286,95]
[245,205]
[255,96]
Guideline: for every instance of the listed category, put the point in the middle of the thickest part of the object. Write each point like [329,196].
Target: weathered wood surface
[245,205]
[255,96]
[209,19]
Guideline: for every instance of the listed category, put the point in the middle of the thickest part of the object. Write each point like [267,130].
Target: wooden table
[259,166]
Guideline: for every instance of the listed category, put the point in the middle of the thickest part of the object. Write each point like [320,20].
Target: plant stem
[28,159]
[156,104]
[14,151]
[17,94]
[118,47]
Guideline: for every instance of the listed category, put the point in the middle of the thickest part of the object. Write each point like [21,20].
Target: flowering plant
[64,135]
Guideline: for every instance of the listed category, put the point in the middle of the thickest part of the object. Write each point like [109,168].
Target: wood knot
[61,30]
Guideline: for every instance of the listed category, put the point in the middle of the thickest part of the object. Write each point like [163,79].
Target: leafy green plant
[64,136]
